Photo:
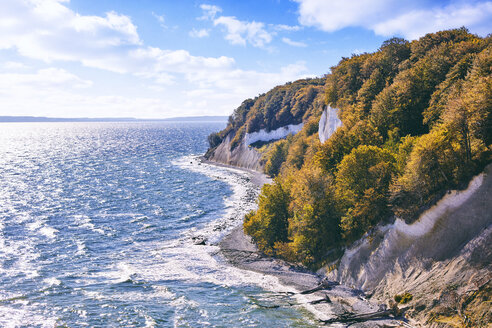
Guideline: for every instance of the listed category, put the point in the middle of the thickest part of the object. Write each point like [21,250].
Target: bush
[403,298]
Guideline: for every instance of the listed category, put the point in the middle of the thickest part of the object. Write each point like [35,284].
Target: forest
[416,120]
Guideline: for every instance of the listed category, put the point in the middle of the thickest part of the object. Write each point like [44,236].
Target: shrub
[403,298]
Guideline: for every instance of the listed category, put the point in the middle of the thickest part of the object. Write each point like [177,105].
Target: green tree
[362,184]
[428,173]
[269,223]
[313,228]
[276,157]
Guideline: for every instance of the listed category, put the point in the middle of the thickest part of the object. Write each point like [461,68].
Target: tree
[313,228]
[214,139]
[276,157]
[269,223]
[362,184]
[429,172]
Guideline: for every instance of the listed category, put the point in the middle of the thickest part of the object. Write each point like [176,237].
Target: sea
[99,223]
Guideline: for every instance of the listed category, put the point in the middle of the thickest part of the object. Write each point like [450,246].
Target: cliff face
[269,117]
[248,157]
[416,123]
[443,259]
[241,156]
[328,123]
[265,136]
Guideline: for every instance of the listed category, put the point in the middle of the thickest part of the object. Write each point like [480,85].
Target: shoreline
[257,178]
[239,251]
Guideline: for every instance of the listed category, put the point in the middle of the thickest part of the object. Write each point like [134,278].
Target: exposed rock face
[246,156]
[328,123]
[242,155]
[276,134]
[446,251]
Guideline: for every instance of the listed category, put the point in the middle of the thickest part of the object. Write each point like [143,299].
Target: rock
[199,240]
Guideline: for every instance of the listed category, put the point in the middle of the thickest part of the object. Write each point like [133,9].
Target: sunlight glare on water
[95,227]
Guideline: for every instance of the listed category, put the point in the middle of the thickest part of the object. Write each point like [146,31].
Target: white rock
[328,123]
[277,134]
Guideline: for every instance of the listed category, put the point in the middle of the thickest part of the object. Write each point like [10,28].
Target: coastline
[239,251]
[257,178]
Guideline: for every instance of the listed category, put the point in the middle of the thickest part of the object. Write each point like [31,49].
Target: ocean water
[96,228]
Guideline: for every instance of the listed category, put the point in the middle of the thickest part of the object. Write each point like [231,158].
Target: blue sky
[158,59]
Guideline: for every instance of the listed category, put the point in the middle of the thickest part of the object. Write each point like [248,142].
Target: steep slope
[358,191]
[269,117]
[402,126]
[443,259]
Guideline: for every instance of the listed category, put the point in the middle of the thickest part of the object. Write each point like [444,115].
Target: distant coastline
[13,119]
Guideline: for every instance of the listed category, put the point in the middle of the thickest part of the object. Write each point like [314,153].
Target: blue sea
[96,230]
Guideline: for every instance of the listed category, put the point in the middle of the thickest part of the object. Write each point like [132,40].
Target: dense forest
[416,120]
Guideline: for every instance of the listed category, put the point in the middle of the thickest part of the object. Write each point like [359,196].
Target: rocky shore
[328,303]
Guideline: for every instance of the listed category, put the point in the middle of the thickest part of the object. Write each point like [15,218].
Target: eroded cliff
[444,259]
[241,156]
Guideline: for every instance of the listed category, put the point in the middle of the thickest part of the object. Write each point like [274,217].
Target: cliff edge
[443,260]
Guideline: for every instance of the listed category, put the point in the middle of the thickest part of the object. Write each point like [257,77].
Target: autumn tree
[269,223]
[362,183]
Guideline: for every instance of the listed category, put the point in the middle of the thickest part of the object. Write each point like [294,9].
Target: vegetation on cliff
[416,119]
[291,103]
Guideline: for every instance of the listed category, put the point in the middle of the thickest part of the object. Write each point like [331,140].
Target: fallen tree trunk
[359,317]
[350,317]
[326,299]
[324,284]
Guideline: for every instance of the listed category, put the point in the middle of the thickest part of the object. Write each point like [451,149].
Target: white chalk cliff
[244,155]
[265,136]
[328,123]
[448,246]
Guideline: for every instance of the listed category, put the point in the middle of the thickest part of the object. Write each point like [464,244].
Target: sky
[168,58]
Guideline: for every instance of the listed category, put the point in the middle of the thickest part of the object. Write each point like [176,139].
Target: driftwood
[323,285]
[326,299]
[322,300]
[351,317]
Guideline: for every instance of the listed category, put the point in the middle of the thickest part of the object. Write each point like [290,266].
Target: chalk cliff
[416,123]
[272,116]
[328,123]
[265,136]
[444,259]
[241,156]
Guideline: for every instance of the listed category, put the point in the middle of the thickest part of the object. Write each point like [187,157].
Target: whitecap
[49,232]
[11,317]
[83,221]
[52,281]
[81,247]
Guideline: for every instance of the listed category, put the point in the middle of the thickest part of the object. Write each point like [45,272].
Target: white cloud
[49,33]
[48,78]
[54,92]
[293,43]
[209,11]
[289,28]
[66,103]
[161,19]
[201,33]
[390,17]
[419,22]
[13,65]
[240,32]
